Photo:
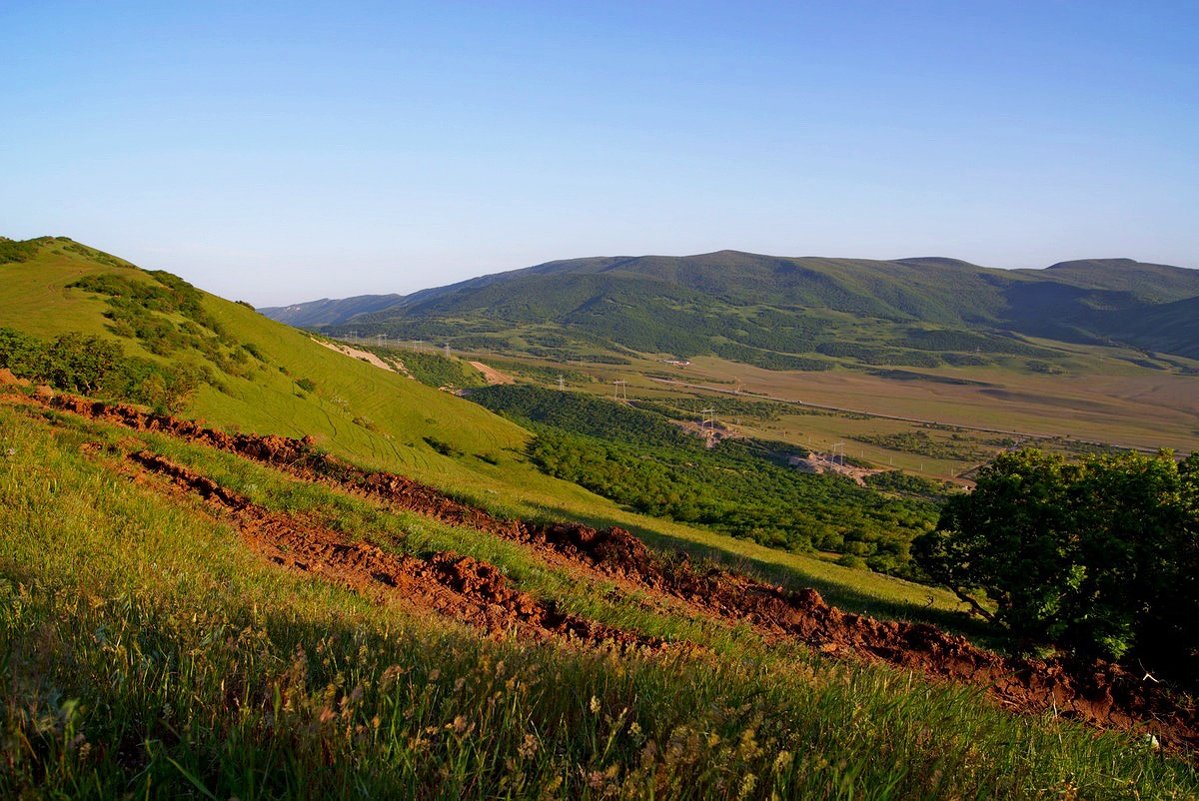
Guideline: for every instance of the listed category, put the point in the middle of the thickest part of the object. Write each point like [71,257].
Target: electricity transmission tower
[619,393]
[708,421]
[561,381]
[833,452]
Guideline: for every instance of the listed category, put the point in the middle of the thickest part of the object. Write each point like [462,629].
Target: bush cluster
[92,365]
[1099,555]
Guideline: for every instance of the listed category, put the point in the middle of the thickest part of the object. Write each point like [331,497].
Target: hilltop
[251,373]
[786,313]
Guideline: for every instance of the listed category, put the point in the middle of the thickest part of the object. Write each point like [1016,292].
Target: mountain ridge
[733,298]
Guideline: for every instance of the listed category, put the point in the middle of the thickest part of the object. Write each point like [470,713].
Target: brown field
[1100,399]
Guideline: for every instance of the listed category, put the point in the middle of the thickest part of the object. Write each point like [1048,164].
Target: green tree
[80,362]
[1098,556]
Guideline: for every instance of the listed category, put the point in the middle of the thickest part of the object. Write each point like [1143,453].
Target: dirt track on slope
[455,585]
[492,375]
[1102,695]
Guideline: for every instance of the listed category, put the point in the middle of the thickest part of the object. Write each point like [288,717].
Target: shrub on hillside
[92,365]
[1100,556]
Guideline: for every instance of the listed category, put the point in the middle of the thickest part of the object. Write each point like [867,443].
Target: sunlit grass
[145,652]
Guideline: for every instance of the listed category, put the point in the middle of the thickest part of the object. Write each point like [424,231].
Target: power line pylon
[619,391]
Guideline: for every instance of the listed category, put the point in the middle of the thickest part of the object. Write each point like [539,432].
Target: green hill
[328,312]
[1169,327]
[799,313]
[260,375]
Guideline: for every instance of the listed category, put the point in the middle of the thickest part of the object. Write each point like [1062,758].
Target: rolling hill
[803,313]
[257,375]
[292,573]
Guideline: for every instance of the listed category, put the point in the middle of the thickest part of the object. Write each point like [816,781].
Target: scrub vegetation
[744,488]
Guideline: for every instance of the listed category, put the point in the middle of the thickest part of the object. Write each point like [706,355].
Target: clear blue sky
[284,152]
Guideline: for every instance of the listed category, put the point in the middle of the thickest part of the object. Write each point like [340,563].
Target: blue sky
[284,152]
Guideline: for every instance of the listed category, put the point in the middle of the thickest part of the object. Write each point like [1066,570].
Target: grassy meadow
[1099,396]
[147,653]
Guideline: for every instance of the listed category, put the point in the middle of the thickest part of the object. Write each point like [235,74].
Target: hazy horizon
[289,152]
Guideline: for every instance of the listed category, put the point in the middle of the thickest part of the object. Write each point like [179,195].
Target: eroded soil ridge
[456,585]
[1100,694]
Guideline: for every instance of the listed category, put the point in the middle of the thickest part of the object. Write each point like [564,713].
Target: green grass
[147,653]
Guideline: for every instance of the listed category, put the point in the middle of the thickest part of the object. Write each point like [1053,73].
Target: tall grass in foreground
[144,653]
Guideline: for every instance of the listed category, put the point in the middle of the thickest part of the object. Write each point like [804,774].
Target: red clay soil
[1102,695]
[455,585]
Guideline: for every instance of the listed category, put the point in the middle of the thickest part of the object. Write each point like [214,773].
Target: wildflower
[594,705]
[528,748]
[392,674]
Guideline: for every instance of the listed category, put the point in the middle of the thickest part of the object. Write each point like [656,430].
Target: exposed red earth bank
[455,585]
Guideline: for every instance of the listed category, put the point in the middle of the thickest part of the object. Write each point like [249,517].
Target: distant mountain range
[788,313]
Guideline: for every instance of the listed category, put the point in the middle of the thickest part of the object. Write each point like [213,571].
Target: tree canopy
[1100,555]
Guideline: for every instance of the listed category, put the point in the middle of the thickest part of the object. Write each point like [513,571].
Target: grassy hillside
[148,651]
[1170,327]
[290,385]
[325,312]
